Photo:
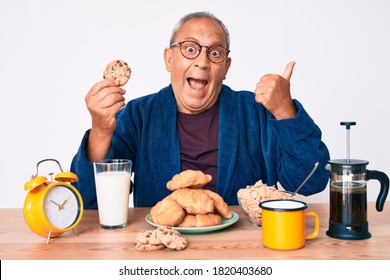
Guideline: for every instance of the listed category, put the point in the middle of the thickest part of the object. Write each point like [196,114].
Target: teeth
[197,84]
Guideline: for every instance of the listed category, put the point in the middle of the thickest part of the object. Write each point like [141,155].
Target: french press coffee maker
[348,195]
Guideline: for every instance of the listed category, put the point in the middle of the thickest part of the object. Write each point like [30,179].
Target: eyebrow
[216,43]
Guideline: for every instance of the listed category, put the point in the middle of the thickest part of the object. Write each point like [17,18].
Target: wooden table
[239,241]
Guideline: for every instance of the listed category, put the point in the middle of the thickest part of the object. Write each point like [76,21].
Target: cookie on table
[148,237]
[171,238]
[142,247]
[117,70]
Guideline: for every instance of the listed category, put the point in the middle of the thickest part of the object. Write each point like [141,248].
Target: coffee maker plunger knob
[348,124]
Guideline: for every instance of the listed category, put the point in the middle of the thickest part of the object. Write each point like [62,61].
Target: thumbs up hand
[273,91]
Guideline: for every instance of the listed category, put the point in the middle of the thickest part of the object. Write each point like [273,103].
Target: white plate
[225,223]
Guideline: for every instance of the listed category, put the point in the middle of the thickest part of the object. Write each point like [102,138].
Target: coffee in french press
[348,195]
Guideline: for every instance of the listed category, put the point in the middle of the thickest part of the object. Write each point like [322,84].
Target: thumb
[288,70]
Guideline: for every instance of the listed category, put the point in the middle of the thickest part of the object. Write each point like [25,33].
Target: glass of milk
[112,179]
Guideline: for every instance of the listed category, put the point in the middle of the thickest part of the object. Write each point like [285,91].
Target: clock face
[61,206]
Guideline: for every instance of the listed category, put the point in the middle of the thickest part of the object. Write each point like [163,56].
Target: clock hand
[62,205]
[59,206]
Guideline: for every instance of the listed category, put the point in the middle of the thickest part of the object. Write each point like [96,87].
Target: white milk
[113,189]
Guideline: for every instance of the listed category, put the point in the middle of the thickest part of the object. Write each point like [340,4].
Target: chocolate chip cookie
[171,238]
[117,70]
[148,237]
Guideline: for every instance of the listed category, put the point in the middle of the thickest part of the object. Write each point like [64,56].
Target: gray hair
[197,15]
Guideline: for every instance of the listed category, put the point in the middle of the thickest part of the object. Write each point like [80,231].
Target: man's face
[197,82]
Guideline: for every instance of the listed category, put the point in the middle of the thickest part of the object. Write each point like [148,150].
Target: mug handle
[316,225]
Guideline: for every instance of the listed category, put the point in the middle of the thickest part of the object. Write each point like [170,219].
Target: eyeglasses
[191,50]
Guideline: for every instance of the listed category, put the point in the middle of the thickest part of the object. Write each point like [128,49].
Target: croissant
[189,205]
[220,205]
[167,212]
[194,201]
[208,220]
[188,179]
[201,220]
[189,221]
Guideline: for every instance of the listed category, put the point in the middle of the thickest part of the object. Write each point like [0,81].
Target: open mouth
[197,84]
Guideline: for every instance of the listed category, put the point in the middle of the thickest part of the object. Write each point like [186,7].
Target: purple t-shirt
[198,136]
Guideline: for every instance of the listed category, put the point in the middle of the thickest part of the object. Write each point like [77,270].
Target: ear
[228,62]
[168,59]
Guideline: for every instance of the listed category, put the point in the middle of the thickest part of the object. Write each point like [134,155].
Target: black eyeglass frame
[200,50]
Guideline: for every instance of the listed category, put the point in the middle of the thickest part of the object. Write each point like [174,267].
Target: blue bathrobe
[252,145]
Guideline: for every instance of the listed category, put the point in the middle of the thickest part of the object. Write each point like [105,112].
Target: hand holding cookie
[106,98]
[103,101]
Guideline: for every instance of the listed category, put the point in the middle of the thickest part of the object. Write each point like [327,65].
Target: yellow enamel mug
[283,224]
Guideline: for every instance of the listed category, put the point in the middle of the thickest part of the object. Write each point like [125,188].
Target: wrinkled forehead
[202,30]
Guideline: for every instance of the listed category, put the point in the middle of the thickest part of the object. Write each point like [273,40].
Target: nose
[202,60]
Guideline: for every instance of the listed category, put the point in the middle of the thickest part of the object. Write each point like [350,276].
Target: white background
[52,52]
